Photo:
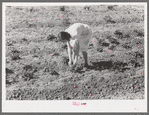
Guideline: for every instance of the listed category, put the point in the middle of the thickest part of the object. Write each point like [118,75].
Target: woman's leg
[69,54]
[84,47]
[73,56]
[76,54]
[85,58]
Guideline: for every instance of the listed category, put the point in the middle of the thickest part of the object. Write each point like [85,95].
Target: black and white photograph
[74,52]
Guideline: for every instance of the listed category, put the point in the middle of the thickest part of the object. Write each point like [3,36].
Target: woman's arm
[69,53]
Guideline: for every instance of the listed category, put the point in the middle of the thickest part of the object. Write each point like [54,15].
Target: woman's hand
[72,66]
[70,63]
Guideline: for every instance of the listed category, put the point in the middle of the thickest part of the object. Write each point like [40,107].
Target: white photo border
[56,106]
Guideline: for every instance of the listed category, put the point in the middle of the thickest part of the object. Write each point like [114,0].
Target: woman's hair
[63,36]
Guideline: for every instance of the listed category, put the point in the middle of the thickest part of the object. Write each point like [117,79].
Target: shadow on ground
[103,65]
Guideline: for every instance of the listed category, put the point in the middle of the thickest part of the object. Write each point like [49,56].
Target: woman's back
[78,30]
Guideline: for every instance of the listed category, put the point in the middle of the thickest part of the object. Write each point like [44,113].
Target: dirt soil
[37,64]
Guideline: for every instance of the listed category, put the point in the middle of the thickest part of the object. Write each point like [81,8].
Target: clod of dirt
[51,37]
[109,19]
[112,47]
[139,33]
[24,39]
[105,44]
[127,45]
[8,82]
[126,36]
[114,41]
[64,46]
[54,73]
[55,54]
[32,9]
[9,71]
[87,8]
[15,55]
[90,45]
[27,67]
[118,33]
[35,56]
[111,7]
[9,44]
[9,79]
[46,69]
[32,25]
[101,41]
[68,98]
[99,49]
[27,76]
[62,8]
[65,60]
